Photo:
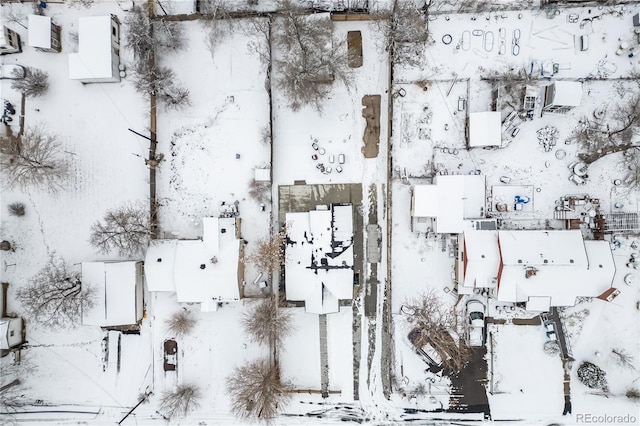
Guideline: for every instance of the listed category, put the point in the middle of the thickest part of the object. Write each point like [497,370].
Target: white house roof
[93,59]
[573,267]
[482,259]
[450,200]
[319,268]
[201,271]
[567,93]
[40,31]
[117,293]
[485,128]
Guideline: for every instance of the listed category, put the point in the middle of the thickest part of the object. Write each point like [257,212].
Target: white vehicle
[11,72]
[475,326]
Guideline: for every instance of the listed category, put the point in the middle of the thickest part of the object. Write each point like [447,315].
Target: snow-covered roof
[450,200]
[485,129]
[94,57]
[118,293]
[561,266]
[40,31]
[319,268]
[566,93]
[481,259]
[201,271]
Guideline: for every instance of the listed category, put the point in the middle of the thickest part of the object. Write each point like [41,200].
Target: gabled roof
[319,268]
[482,259]
[557,265]
[200,271]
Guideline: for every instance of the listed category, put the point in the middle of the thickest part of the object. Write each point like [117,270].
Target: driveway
[469,393]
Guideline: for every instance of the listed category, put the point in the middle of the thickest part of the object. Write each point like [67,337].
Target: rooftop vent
[202,266]
[159,260]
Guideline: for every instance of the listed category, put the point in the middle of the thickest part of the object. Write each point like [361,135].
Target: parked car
[475,323]
[170,355]
[12,72]
[434,358]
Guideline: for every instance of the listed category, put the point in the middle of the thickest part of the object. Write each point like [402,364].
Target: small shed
[118,293]
[98,56]
[485,129]
[44,35]
[562,96]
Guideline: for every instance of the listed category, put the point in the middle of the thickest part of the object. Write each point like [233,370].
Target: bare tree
[312,59]
[168,35]
[406,32]
[433,323]
[257,392]
[12,387]
[267,322]
[125,230]
[14,14]
[161,82]
[183,400]
[33,159]
[270,254]
[623,358]
[35,82]
[137,35]
[55,297]
[218,21]
[16,209]
[145,36]
[613,133]
[260,191]
[181,323]
[631,162]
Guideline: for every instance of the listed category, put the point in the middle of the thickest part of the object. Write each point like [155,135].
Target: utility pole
[146,395]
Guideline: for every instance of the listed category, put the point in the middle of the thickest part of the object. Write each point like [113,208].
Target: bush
[16,209]
[633,394]
[551,347]
[592,376]
[181,323]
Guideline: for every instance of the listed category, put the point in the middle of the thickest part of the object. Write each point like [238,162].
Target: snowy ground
[211,150]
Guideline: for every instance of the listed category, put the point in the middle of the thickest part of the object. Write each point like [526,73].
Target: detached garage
[118,293]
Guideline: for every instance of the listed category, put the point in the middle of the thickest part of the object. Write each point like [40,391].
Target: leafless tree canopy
[144,36]
[55,297]
[270,253]
[616,132]
[434,322]
[257,392]
[268,323]
[312,59]
[11,387]
[161,82]
[181,323]
[35,83]
[181,401]
[406,33]
[125,230]
[34,159]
